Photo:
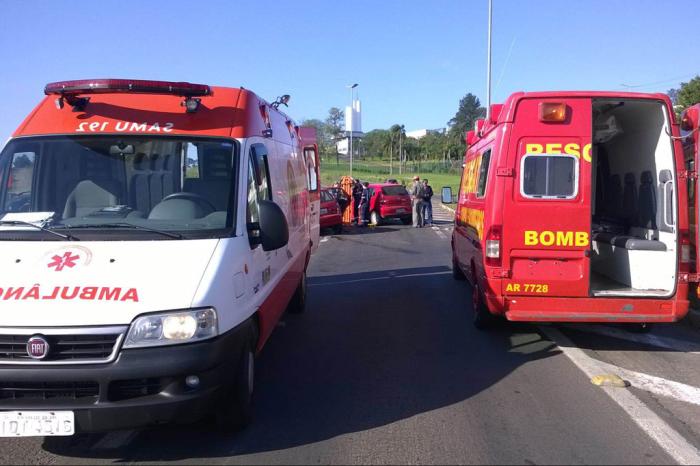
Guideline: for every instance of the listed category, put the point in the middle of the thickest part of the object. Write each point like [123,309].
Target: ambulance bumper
[142,387]
[593,310]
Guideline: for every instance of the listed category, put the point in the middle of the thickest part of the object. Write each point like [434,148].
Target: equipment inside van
[634,240]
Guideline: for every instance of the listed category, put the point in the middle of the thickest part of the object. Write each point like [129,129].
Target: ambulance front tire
[236,412]
[298,303]
[483,319]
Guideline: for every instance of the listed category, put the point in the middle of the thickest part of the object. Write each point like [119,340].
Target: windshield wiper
[127,225]
[67,237]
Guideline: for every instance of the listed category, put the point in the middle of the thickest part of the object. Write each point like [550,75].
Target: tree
[334,126]
[324,146]
[469,111]
[689,93]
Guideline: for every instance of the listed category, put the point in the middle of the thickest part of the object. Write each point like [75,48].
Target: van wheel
[298,303]
[338,229]
[483,319]
[236,410]
[375,218]
[457,273]
[406,220]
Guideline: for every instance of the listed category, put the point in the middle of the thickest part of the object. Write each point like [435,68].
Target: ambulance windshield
[91,185]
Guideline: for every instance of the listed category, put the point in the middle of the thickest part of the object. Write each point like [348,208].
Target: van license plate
[36,423]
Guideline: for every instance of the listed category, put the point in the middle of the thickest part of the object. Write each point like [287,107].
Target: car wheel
[236,411]
[483,319]
[375,218]
[298,303]
[457,273]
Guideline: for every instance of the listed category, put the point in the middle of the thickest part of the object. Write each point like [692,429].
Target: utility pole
[400,152]
[488,66]
[352,122]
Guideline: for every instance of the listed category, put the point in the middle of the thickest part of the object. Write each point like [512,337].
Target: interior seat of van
[86,198]
[634,238]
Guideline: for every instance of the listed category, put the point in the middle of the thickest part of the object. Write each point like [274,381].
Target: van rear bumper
[526,309]
[142,387]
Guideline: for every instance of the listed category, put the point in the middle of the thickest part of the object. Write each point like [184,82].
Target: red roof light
[136,86]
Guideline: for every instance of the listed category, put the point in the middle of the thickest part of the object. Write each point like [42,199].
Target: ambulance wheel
[338,229]
[457,273]
[236,410]
[298,303]
[483,319]
[406,220]
[375,218]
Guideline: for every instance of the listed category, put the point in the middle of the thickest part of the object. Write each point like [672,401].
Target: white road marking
[325,238]
[115,440]
[647,339]
[667,438]
[439,233]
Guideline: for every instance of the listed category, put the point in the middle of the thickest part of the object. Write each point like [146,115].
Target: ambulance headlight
[172,328]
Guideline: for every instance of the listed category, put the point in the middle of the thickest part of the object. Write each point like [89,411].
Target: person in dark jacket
[364,205]
[427,203]
[356,197]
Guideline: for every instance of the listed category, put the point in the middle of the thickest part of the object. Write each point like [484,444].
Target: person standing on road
[356,198]
[427,203]
[417,193]
[364,205]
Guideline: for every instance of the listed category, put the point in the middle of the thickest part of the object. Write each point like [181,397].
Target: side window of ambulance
[259,187]
[262,172]
[310,156]
[549,176]
[19,182]
[483,174]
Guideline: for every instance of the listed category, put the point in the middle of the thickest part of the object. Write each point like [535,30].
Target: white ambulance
[151,236]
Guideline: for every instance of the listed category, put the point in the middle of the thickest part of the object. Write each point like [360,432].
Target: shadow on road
[373,349]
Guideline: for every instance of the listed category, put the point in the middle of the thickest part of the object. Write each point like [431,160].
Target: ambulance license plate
[36,423]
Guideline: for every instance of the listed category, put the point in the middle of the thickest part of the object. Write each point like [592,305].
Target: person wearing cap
[417,194]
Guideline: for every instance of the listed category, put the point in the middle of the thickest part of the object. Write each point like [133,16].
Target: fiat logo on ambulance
[37,347]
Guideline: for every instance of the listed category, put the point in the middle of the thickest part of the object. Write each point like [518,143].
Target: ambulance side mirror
[274,231]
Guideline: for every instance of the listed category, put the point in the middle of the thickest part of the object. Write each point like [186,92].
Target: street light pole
[352,123]
[488,67]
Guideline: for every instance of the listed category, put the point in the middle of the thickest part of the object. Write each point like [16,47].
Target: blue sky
[413,59]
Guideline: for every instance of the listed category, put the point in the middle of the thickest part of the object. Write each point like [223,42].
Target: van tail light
[685,247]
[552,112]
[493,246]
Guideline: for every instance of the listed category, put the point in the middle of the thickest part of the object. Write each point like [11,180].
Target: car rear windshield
[174,184]
[327,197]
[394,191]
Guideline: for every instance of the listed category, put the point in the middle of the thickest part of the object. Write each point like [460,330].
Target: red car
[331,216]
[389,201]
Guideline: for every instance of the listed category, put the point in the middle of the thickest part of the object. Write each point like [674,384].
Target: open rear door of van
[547,199]
[690,129]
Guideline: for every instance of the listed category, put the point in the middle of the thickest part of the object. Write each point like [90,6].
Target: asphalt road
[385,367]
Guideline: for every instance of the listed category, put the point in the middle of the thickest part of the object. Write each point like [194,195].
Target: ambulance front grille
[67,346]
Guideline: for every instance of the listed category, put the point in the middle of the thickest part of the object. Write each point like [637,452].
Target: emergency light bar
[69,90]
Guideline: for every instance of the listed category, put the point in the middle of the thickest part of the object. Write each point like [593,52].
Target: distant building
[420,133]
[353,124]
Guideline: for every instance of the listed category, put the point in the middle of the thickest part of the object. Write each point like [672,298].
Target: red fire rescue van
[152,234]
[573,207]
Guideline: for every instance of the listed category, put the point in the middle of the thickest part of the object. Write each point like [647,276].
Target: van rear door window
[483,174]
[549,176]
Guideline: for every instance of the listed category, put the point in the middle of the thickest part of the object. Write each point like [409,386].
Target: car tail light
[135,86]
[493,246]
[685,247]
[552,112]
